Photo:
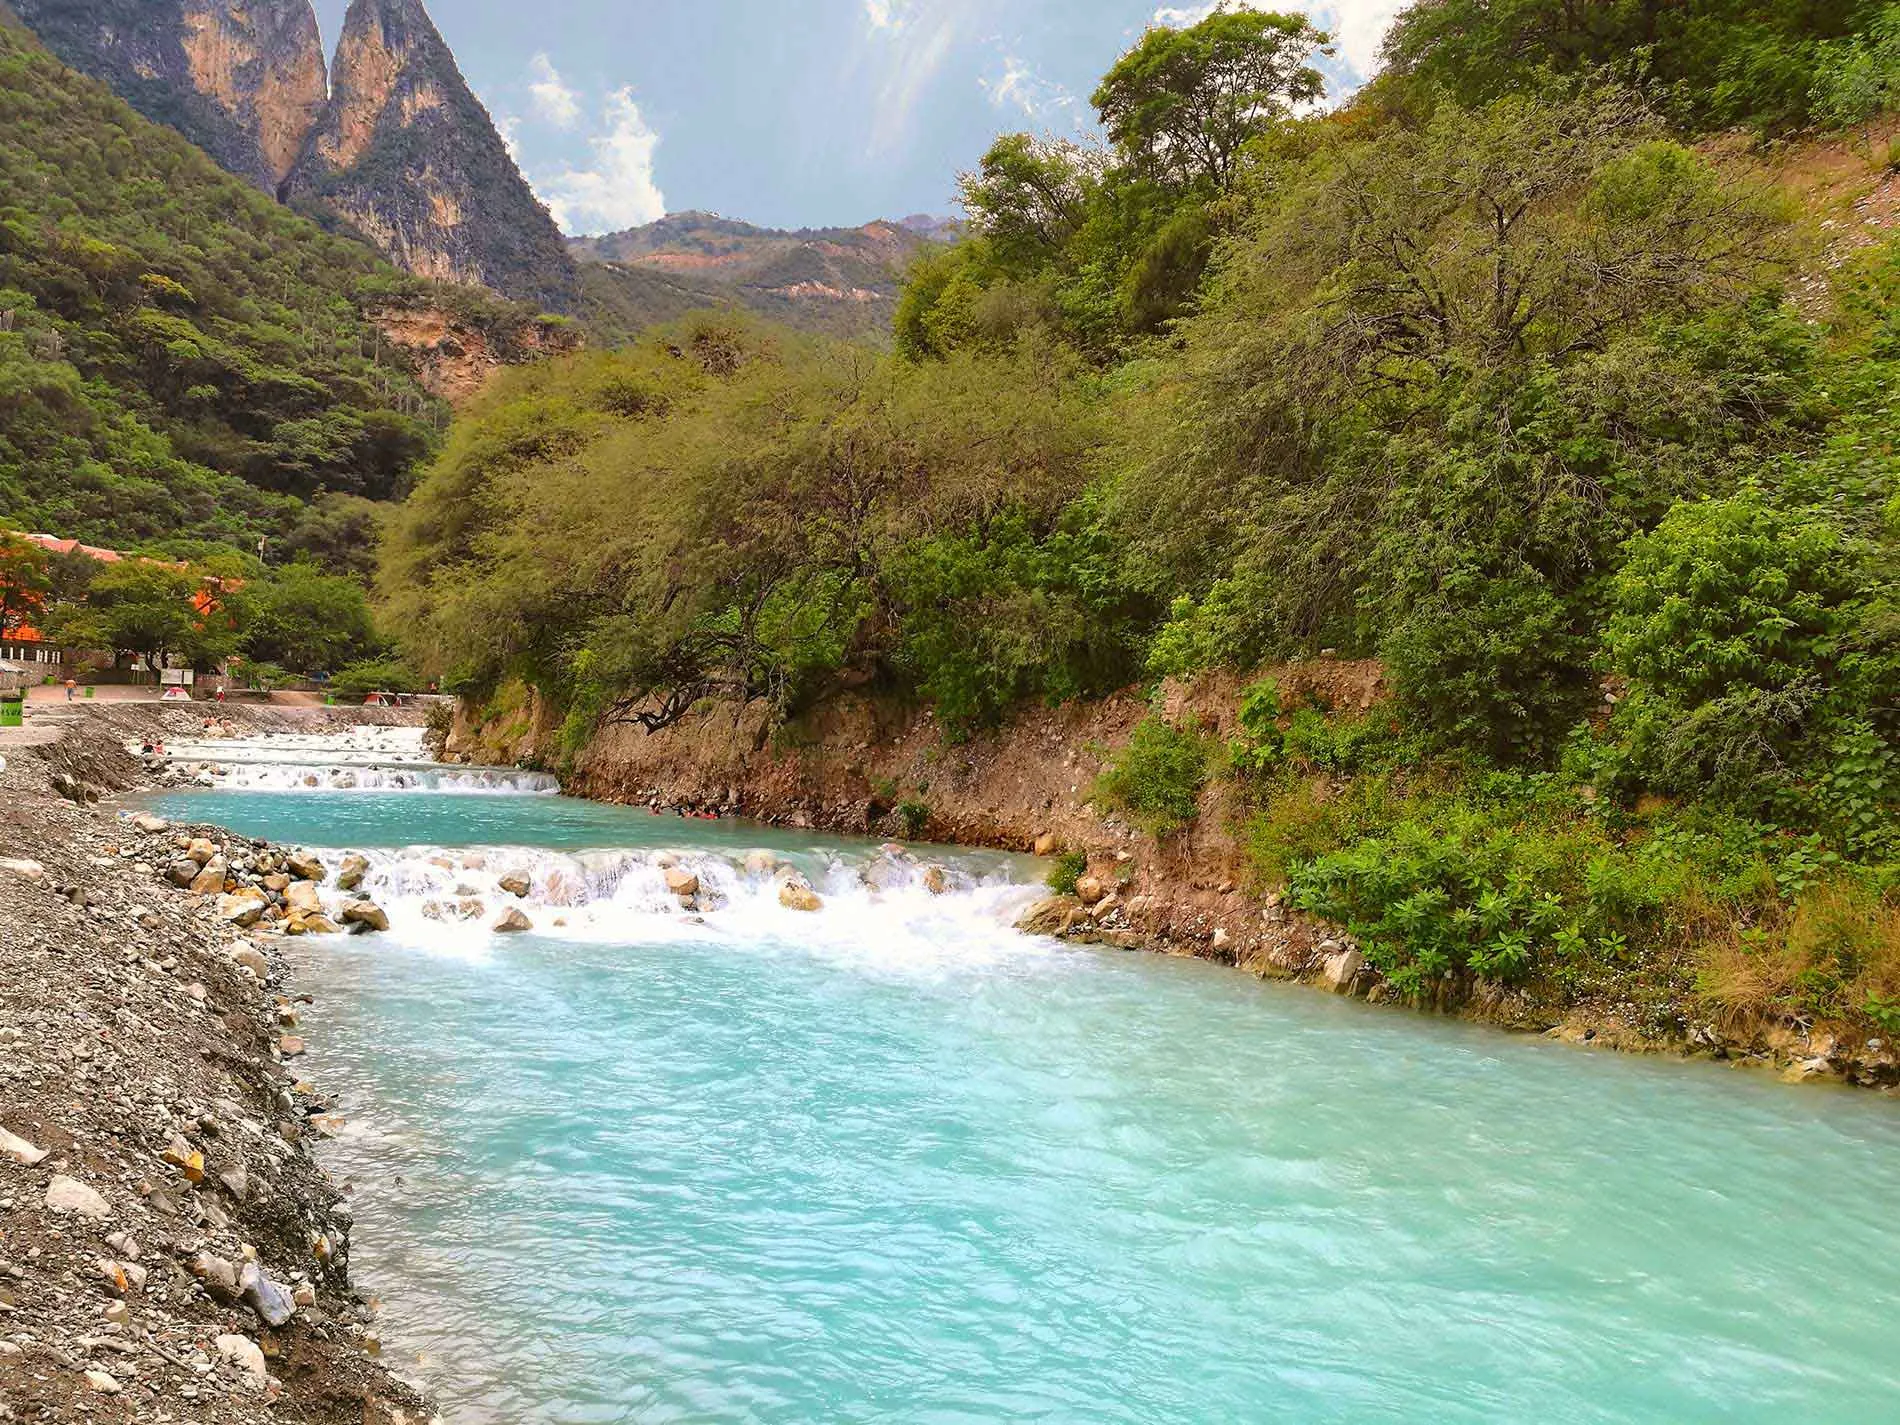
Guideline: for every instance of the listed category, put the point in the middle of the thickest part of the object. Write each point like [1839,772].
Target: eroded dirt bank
[169,1248]
[872,767]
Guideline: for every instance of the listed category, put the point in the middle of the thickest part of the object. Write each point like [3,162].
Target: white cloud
[552,98]
[619,190]
[1357,26]
[1019,86]
[887,14]
[915,38]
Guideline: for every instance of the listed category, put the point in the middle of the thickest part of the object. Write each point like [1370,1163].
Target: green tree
[1183,103]
[150,609]
[304,619]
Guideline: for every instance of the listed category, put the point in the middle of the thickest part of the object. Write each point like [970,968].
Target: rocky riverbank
[866,766]
[170,1249]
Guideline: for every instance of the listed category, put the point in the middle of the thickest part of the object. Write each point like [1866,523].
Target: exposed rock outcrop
[406,155]
[242,79]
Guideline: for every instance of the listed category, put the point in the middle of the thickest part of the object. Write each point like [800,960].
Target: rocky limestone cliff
[242,79]
[408,157]
[455,355]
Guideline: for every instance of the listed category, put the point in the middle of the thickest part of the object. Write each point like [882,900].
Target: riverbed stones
[512,922]
[242,908]
[18,1150]
[73,1198]
[362,915]
[936,880]
[350,874]
[762,863]
[681,882]
[211,877]
[302,896]
[517,884]
[151,825]
[250,958]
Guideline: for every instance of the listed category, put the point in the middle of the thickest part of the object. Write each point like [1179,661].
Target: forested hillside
[179,356]
[1492,374]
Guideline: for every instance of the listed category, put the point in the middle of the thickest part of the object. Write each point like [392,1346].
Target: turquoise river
[895,1162]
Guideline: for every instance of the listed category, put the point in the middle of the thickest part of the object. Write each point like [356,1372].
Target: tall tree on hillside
[1182,104]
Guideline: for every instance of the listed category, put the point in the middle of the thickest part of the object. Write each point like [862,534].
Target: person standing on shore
[70,685]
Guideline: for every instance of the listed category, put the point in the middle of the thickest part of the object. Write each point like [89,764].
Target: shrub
[1156,780]
[915,815]
[1070,867]
[1834,957]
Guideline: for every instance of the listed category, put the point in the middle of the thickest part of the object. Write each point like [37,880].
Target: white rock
[25,870]
[243,1351]
[64,1194]
[102,1383]
[21,1151]
[252,959]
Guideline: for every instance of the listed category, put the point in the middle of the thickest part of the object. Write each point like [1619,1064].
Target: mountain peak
[407,155]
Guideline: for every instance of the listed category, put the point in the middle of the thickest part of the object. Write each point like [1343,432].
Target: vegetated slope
[1508,394]
[407,156]
[841,281]
[179,354]
[242,79]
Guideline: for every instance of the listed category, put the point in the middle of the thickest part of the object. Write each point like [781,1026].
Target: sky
[796,113]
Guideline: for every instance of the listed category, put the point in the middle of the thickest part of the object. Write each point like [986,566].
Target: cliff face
[407,155]
[242,79]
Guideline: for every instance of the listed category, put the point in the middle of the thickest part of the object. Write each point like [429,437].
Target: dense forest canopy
[1491,374]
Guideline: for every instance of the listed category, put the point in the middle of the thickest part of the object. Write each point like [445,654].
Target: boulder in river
[517,884]
[795,894]
[363,915]
[351,873]
[681,882]
[512,922]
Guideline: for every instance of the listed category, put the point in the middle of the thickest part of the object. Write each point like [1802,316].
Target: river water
[894,1162]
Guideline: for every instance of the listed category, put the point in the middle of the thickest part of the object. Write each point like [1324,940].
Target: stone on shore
[20,1151]
[1046,844]
[302,896]
[243,1352]
[1342,971]
[219,1276]
[25,870]
[512,922]
[304,866]
[1089,889]
[242,909]
[187,1159]
[151,825]
[210,878]
[1050,916]
[270,1301]
[74,1198]
[351,873]
[250,958]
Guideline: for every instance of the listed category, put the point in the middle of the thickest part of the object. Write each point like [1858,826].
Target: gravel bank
[169,1248]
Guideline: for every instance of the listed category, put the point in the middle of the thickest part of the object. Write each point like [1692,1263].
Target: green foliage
[1156,781]
[1709,63]
[375,675]
[915,815]
[1070,867]
[177,352]
[152,609]
[1183,103]
[308,620]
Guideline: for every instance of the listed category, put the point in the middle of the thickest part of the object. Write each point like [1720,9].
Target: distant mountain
[407,155]
[834,279]
[395,147]
[242,79]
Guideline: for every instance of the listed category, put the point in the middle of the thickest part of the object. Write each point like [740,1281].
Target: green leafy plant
[1156,780]
[1069,868]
